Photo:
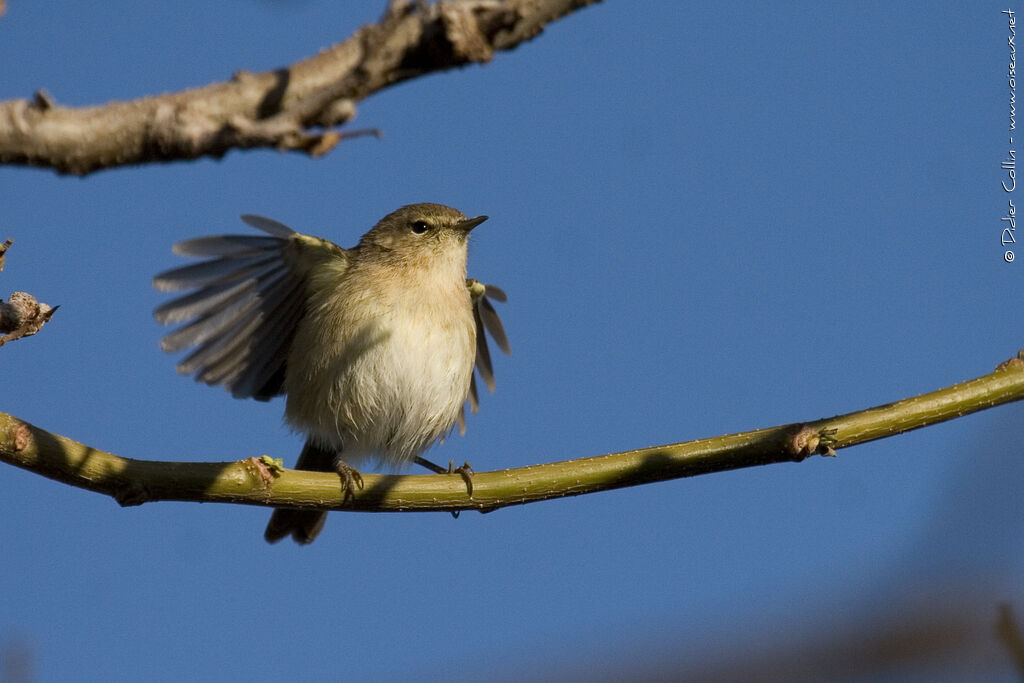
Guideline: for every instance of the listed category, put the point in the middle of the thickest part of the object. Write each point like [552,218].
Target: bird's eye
[419,227]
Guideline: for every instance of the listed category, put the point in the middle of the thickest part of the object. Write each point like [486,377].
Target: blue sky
[707,219]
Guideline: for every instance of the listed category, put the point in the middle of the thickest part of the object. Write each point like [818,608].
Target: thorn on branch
[361,133]
[43,100]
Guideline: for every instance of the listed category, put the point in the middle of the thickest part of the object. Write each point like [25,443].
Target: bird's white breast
[382,369]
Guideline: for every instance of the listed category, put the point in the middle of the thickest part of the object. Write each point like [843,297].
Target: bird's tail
[302,525]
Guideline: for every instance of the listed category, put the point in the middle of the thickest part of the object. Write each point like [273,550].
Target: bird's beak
[470,223]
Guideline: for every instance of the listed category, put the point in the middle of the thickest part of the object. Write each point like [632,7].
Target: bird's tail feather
[302,525]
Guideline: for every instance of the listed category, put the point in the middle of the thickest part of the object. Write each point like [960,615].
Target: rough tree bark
[294,108]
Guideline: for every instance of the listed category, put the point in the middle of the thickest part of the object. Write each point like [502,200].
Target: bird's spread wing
[487,322]
[249,295]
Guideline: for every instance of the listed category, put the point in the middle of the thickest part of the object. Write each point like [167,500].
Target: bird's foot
[465,471]
[350,479]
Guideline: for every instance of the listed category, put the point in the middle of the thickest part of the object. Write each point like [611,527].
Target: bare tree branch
[292,108]
[263,481]
[21,315]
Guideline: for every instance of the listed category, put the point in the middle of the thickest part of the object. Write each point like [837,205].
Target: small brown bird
[374,346]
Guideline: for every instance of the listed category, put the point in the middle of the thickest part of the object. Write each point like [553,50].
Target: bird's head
[422,233]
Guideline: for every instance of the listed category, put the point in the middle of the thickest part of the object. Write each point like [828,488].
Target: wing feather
[248,298]
[487,322]
[224,245]
[268,225]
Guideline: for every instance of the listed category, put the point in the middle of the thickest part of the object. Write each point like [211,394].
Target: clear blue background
[708,219]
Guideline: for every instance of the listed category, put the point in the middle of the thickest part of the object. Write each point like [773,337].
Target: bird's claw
[350,480]
[464,471]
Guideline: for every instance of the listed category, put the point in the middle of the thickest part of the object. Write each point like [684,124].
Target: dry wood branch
[261,481]
[21,315]
[293,108]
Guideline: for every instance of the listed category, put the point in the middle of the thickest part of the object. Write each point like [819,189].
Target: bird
[373,346]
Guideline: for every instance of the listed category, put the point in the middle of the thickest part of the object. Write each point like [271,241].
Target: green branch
[261,481]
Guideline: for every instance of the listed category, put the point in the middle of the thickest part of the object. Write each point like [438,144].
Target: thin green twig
[262,481]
